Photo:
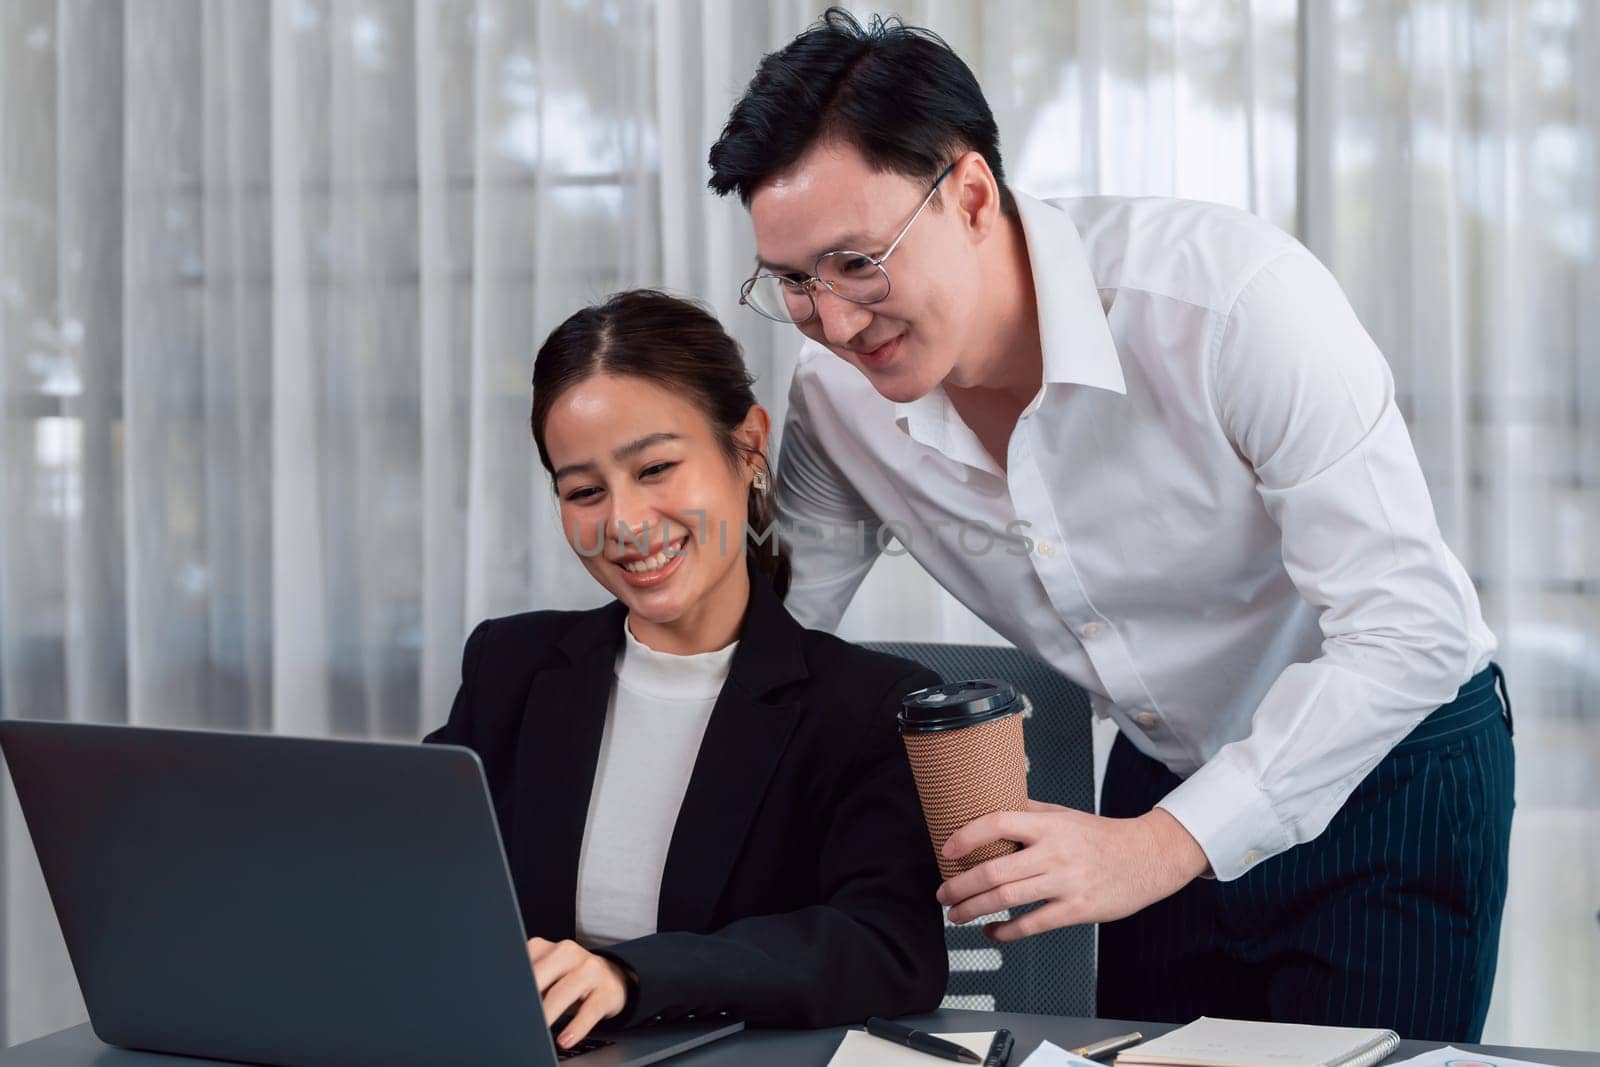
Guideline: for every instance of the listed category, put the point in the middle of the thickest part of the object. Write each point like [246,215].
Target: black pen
[1100,1049]
[922,1042]
[999,1050]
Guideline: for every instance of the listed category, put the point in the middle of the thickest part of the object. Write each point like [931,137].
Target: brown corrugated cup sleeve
[968,760]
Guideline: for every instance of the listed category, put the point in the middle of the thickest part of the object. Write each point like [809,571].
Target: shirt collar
[666,676]
[922,417]
[1074,333]
[928,419]
[1078,347]
[931,420]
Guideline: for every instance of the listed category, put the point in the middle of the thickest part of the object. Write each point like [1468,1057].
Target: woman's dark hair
[897,93]
[680,346]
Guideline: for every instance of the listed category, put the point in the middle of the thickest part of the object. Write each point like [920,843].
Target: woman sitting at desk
[706,808]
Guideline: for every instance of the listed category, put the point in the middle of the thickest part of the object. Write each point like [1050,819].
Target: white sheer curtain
[272,274]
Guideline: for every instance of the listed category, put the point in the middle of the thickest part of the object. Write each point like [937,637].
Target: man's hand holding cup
[998,850]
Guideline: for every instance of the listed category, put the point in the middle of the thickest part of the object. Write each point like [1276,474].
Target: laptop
[291,901]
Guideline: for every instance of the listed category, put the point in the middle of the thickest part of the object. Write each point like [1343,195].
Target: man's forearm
[1180,853]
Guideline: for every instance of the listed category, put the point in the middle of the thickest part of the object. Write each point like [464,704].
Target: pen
[999,1049]
[1108,1046]
[922,1042]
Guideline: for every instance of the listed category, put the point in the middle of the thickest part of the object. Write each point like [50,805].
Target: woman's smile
[649,571]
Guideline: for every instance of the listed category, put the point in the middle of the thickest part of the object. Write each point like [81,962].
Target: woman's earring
[761,483]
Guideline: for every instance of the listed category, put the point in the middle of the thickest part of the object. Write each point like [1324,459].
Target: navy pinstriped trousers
[1390,918]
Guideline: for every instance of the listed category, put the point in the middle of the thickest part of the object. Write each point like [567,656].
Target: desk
[78,1047]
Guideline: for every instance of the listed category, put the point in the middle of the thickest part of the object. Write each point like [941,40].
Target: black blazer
[799,883]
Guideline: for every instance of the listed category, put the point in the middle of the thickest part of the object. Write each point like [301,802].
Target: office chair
[1051,973]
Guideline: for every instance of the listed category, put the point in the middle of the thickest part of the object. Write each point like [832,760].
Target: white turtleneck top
[657,715]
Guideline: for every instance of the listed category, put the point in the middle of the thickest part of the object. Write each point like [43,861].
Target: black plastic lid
[956,704]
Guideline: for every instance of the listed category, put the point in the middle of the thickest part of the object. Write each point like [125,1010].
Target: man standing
[1203,507]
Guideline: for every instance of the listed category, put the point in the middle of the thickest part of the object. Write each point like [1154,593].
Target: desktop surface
[78,1047]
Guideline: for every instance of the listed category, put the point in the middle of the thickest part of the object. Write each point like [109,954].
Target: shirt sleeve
[1307,400]
[830,531]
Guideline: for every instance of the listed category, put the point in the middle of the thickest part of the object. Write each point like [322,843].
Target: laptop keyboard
[588,1044]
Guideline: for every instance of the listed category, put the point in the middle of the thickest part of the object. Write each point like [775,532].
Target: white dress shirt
[655,721]
[1210,517]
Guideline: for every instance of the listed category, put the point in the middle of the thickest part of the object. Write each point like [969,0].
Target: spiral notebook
[1231,1043]
[861,1049]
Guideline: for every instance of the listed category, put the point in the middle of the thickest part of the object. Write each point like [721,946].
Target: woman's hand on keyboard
[573,979]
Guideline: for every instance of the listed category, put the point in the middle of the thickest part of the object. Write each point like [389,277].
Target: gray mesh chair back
[1050,973]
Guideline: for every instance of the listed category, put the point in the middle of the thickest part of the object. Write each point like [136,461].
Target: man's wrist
[1175,848]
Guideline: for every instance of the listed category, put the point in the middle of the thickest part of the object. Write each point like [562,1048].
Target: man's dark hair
[897,93]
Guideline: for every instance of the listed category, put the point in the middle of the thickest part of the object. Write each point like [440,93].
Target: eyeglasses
[853,276]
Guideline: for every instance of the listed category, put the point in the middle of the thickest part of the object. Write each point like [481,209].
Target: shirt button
[1046,549]
[1091,629]
[1147,718]
[1251,857]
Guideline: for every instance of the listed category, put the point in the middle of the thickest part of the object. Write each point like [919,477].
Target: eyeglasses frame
[808,286]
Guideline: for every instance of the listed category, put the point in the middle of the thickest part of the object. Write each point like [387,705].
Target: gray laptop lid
[284,900]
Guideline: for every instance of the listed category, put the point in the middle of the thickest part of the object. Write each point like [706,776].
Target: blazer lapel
[558,749]
[745,738]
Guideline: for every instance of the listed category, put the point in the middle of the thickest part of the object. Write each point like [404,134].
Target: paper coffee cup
[964,741]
